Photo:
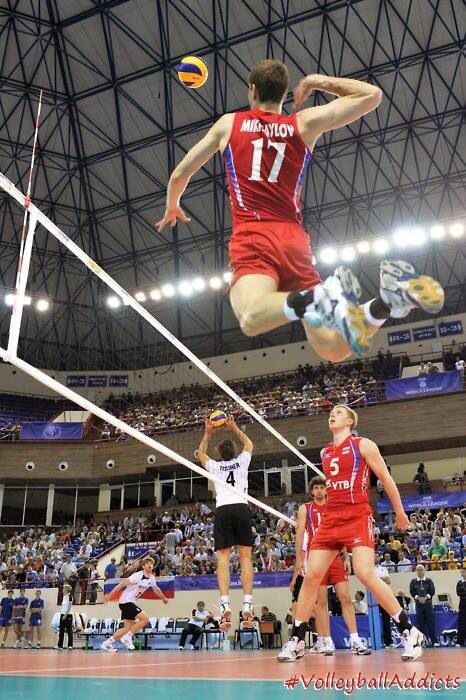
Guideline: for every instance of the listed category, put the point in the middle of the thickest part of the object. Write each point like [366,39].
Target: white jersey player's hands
[170,217]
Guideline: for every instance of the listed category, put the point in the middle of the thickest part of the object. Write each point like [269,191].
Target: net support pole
[145,439]
[129,300]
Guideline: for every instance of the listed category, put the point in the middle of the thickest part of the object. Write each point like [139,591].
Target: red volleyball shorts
[348,527]
[278,249]
[336,573]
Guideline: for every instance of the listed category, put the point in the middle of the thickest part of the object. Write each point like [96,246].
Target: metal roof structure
[116,120]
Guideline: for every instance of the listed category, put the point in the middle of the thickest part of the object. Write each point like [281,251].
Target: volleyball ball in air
[218,418]
[192,71]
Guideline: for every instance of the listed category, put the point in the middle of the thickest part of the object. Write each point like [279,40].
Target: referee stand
[374,622]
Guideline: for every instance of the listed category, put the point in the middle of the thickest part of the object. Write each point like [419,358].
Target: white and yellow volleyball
[192,72]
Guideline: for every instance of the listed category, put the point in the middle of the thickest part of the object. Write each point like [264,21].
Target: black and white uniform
[233,525]
[138,584]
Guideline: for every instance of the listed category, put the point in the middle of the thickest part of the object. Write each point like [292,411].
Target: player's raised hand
[304,89]
[170,217]
[209,426]
[230,423]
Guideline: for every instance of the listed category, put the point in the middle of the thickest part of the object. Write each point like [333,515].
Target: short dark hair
[317,481]
[227,450]
[271,80]
[361,593]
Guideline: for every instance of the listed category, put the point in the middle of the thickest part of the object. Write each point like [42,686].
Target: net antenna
[33,216]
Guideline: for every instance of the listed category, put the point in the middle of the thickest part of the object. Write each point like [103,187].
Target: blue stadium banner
[438,383]
[51,431]
[424,333]
[75,380]
[447,499]
[118,380]
[399,337]
[450,328]
[97,381]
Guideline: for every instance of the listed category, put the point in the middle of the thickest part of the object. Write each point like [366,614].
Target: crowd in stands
[184,540]
[306,391]
[182,544]
[41,557]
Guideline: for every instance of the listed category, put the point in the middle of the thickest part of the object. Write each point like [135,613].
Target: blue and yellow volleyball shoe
[403,289]
[336,306]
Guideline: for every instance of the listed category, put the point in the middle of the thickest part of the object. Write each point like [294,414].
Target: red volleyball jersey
[314,513]
[346,472]
[266,161]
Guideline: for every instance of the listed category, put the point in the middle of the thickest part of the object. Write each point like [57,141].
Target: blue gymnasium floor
[96,675]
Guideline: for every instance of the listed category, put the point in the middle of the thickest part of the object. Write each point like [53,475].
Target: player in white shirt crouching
[233,525]
[134,619]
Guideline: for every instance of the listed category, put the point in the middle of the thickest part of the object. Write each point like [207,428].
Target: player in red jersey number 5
[347,522]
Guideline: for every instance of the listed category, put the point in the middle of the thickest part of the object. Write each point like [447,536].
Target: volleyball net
[33,220]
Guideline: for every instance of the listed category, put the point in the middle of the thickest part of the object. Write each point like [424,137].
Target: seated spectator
[437,549]
[404,565]
[360,605]
[200,617]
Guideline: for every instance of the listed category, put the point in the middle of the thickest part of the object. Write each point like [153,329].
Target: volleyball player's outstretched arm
[202,455]
[376,462]
[354,99]
[242,437]
[193,161]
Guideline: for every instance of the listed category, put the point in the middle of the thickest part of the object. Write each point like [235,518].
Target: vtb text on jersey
[346,472]
[233,472]
[266,162]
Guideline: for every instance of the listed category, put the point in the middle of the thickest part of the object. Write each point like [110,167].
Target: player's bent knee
[249,323]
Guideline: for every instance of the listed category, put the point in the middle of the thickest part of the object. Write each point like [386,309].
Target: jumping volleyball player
[347,522]
[232,525]
[309,518]
[266,157]
[134,619]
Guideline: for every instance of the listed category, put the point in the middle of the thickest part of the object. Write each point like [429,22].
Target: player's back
[266,162]
[233,472]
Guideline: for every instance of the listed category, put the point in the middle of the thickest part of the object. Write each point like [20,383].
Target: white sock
[354,637]
[248,599]
[369,317]
[298,623]
[224,601]
[320,640]
[328,640]
[290,313]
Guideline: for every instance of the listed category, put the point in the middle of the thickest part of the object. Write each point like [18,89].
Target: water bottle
[226,645]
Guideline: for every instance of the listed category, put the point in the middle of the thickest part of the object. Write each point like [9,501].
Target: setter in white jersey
[347,522]
[233,525]
[266,156]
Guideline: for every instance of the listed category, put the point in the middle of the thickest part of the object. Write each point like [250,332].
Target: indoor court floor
[191,675]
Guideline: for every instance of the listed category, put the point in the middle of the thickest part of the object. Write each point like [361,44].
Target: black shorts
[129,611]
[297,587]
[233,525]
